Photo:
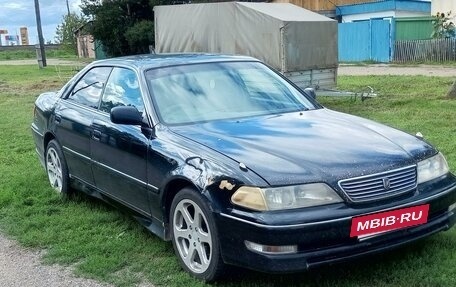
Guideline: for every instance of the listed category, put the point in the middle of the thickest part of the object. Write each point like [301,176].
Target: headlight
[287,197]
[432,168]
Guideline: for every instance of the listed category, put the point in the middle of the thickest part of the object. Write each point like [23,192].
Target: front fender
[176,162]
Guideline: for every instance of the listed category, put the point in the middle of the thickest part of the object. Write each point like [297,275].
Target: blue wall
[386,5]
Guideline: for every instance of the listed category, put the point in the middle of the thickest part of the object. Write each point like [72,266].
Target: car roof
[148,61]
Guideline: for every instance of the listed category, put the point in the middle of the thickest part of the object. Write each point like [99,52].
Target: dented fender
[211,173]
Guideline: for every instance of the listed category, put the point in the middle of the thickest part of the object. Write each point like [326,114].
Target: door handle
[58,119]
[96,135]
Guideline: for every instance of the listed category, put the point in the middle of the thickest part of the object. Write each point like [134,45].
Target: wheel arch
[170,190]
[47,138]
[212,266]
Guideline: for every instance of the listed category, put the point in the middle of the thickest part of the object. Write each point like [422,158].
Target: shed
[298,42]
[87,46]
[84,41]
[369,30]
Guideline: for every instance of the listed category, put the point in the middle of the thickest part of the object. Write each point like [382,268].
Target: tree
[65,31]
[140,36]
[443,27]
[124,27]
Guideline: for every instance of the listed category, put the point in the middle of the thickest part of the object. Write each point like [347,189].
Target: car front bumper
[321,242]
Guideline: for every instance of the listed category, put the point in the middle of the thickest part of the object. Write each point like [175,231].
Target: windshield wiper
[85,87]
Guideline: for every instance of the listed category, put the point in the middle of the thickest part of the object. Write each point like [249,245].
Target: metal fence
[435,50]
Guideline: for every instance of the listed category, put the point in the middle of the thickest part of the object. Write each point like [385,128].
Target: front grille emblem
[386,183]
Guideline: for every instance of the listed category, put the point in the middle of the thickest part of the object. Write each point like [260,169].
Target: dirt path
[385,69]
[21,267]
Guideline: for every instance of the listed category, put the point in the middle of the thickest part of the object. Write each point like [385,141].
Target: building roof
[286,12]
[385,5]
[83,28]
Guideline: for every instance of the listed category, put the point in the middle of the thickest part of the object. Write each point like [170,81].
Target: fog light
[270,249]
[452,207]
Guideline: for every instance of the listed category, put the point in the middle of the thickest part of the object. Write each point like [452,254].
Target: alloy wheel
[54,169]
[192,236]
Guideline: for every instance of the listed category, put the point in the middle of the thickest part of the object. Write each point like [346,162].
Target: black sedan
[236,165]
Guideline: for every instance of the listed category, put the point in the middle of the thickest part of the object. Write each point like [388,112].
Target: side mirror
[126,115]
[310,92]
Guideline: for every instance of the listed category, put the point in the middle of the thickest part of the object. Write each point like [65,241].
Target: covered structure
[299,43]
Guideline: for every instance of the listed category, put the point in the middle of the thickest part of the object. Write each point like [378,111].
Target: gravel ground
[21,267]
[385,69]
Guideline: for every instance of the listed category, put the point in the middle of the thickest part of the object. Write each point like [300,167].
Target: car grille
[381,185]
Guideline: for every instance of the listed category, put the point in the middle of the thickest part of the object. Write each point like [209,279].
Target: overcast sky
[21,13]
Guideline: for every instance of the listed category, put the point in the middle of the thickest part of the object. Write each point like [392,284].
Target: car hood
[312,146]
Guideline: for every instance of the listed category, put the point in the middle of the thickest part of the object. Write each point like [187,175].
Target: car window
[122,89]
[224,90]
[264,87]
[88,89]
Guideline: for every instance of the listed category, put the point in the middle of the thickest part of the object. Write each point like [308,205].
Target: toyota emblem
[386,183]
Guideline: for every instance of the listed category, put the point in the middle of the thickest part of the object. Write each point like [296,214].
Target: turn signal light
[271,249]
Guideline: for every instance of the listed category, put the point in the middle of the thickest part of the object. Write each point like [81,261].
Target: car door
[119,152]
[73,120]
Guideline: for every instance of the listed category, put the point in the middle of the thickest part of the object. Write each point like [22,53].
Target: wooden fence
[436,50]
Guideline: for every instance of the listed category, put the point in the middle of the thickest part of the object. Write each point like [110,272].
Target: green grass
[102,243]
[31,54]
[411,103]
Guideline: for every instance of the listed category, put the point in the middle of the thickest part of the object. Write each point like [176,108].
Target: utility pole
[40,34]
[68,8]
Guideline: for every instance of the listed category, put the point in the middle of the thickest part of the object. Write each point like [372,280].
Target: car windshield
[222,90]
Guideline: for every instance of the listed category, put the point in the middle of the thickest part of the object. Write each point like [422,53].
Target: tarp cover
[285,36]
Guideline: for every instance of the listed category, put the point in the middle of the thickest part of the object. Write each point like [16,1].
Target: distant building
[11,40]
[324,7]
[444,6]
[85,42]
[2,32]
[24,36]
[386,9]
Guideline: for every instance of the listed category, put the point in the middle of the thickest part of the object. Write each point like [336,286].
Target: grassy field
[102,243]
[31,54]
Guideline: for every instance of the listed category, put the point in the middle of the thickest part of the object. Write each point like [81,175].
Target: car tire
[56,169]
[194,235]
